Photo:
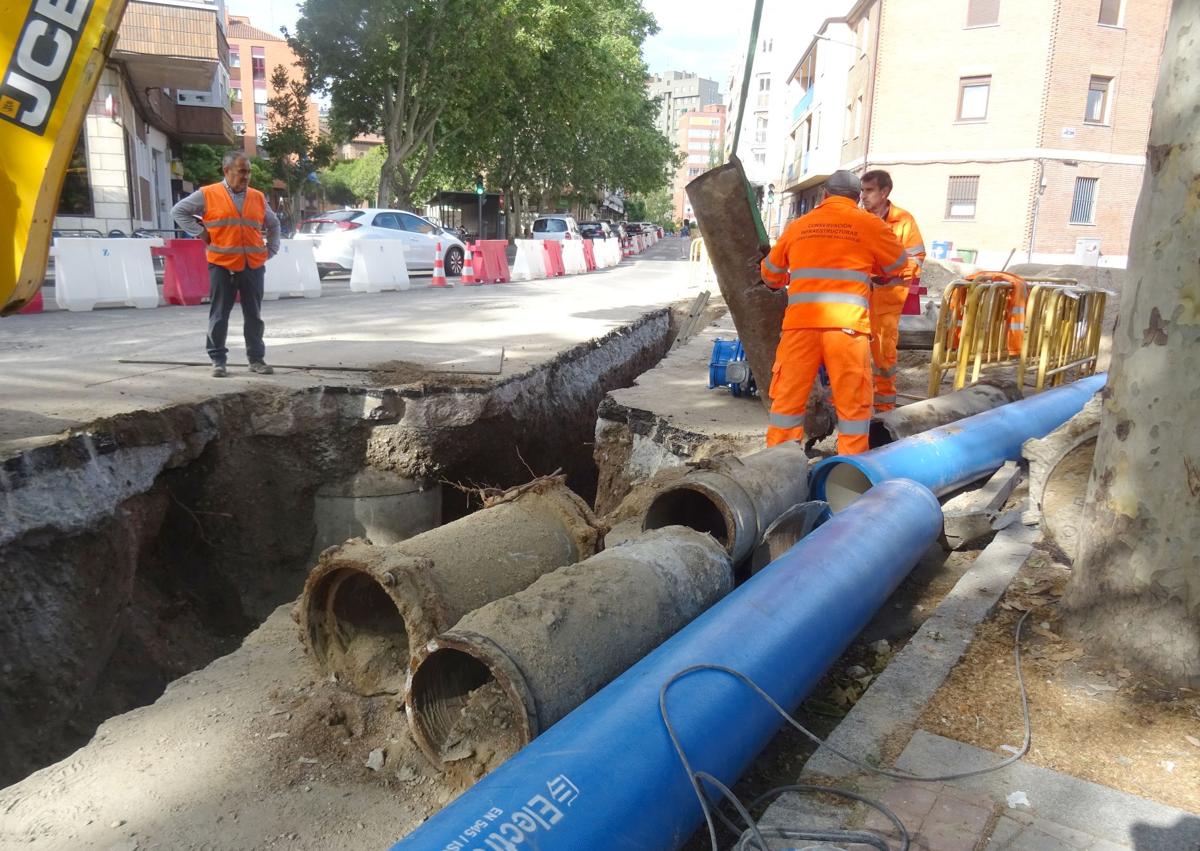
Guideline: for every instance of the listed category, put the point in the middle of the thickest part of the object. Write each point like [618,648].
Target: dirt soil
[485,733]
[1090,720]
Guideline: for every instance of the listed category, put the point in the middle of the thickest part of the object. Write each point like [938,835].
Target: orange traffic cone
[439,270]
[468,272]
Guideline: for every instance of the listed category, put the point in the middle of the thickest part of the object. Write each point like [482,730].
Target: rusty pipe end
[467,701]
[357,621]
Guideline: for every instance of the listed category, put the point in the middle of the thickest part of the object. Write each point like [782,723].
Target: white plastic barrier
[88,272]
[530,263]
[600,251]
[293,271]
[612,253]
[379,265]
[574,261]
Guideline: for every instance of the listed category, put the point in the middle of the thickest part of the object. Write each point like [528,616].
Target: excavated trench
[142,548]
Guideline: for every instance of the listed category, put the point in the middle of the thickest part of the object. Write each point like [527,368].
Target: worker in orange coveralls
[887,302]
[827,260]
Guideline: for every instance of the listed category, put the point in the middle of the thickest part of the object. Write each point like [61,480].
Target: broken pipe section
[927,414]
[735,499]
[365,608]
[555,644]
[722,207]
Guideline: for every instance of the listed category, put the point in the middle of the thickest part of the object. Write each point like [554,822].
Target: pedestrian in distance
[827,260]
[241,233]
[887,302]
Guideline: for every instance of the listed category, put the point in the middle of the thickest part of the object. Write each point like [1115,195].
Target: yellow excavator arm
[52,53]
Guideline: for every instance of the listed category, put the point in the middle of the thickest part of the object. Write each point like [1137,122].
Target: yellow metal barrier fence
[1001,320]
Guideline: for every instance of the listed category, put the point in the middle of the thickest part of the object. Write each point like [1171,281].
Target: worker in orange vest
[887,302]
[242,233]
[827,260]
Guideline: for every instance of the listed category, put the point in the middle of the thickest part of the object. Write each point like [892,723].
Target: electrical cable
[759,834]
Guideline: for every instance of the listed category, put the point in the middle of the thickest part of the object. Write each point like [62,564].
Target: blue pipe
[956,454]
[607,777]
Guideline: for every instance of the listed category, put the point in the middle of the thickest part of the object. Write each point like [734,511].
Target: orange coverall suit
[827,259]
[887,303]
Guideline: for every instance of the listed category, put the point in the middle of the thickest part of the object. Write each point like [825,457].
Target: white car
[334,233]
[556,227]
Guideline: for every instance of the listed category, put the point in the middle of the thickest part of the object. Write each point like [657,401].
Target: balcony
[804,105]
[208,125]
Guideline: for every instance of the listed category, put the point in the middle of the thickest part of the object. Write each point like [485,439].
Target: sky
[703,36]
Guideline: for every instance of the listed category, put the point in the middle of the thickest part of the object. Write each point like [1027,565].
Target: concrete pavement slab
[61,370]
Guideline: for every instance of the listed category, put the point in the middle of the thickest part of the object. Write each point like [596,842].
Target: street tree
[296,150]
[1135,586]
[354,181]
[592,132]
[202,165]
[399,68]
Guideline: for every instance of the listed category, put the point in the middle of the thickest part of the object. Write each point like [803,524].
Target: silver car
[334,233]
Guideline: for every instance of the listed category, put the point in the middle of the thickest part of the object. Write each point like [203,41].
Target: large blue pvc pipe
[607,777]
[957,454]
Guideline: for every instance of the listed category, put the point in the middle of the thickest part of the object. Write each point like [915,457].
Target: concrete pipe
[927,414]
[607,775]
[735,499]
[365,608]
[511,669]
[722,207]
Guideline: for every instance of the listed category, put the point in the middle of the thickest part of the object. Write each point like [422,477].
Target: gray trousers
[224,287]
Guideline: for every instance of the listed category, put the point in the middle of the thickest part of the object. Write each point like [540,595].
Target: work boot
[261,368]
[219,370]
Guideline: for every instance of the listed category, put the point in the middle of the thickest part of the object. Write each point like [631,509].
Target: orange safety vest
[1016,306]
[236,239]
[827,259]
[904,226]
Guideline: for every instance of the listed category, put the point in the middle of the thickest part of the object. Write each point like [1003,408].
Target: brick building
[253,55]
[1008,125]
[701,139]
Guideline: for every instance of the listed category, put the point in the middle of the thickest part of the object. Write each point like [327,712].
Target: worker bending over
[827,260]
[887,302]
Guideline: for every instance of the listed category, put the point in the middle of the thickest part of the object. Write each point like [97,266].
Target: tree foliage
[543,96]
[202,165]
[296,151]
[351,182]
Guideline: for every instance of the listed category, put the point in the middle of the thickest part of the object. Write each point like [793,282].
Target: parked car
[595,230]
[334,233]
[633,228]
[556,227]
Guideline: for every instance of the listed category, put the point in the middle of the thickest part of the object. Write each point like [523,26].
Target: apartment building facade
[816,93]
[1024,131]
[702,139]
[680,92]
[166,84]
[253,56]
[768,112]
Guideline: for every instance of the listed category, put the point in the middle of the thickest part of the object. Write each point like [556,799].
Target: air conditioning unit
[1087,251]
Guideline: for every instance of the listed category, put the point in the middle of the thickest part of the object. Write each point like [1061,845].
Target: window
[983,13]
[1096,111]
[386,220]
[239,128]
[1110,13]
[76,196]
[235,57]
[960,197]
[764,84]
[858,116]
[258,63]
[760,159]
[235,97]
[760,131]
[973,98]
[1083,205]
[848,123]
[415,224]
